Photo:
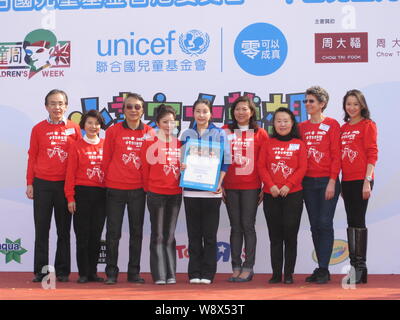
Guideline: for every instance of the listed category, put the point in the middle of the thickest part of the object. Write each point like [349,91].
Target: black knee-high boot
[357,239]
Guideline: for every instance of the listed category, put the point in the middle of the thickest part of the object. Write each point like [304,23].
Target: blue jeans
[321,213]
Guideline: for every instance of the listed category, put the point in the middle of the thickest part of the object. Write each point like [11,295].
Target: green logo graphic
[12,250]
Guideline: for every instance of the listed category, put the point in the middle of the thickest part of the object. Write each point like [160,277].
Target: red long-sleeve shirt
[322,141]
[48,150]
[84,167]
[282,163]
[161,166]
[121,155]
[359,148]
[245,148]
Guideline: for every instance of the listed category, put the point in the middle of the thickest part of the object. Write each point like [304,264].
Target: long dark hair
[294,133]
[361,100]
[253,119]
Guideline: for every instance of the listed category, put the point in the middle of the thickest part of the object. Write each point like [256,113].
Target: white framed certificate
[203,161]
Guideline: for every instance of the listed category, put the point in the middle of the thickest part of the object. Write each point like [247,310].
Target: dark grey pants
[164,211]
[116,201]
[242,210]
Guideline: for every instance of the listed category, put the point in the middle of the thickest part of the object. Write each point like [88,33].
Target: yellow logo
[340,252]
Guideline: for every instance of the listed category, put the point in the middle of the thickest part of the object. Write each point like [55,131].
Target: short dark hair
[93,114]
[253,119]
[361,100]
[294,133]
[135,96]
[320,93]
[164,109]
[56,91]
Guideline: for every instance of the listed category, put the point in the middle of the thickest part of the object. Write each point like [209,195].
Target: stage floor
[19,286]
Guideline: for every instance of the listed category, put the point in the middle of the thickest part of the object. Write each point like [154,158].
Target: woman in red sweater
[124,182]
[47,163]
[242,185]
[281,166]
[359,155]
[86,195]
[321,186]
[161,170]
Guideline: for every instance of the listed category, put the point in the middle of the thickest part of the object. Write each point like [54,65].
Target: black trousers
[89,221]
[49,195]
[202,220]
[355,205]
[164,211]
[242,210]
[116,201]
[283,217]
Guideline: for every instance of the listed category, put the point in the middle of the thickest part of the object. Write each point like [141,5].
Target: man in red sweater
[48,153]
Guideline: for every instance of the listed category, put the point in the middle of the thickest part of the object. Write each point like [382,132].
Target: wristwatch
[368,178]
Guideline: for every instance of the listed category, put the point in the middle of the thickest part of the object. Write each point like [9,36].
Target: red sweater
[48,150]
[121,161]
[359,148]
[161,166]
[84,167]
[245,148]
[282,163]
[322,141]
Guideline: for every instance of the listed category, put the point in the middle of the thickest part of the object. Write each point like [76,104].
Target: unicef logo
[194,42]
[260,49]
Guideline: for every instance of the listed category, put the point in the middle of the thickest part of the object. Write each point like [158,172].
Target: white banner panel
[178,50]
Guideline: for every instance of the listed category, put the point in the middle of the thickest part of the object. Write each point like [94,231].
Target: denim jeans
[164,211]
[321,213]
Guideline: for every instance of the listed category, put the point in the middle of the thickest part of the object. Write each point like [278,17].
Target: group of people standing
[95,180]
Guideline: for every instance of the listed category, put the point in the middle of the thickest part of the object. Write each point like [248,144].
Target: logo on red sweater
[132,157]
[286,171]
[57,151]
[350,153]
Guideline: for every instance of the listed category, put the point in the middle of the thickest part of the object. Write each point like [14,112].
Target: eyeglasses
[309,101]
[136,107]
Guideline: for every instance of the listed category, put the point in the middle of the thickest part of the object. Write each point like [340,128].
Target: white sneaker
[171,281]
[205,281]
[160,282]
[194,281]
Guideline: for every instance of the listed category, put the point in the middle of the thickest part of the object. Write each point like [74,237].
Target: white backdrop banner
[176,51]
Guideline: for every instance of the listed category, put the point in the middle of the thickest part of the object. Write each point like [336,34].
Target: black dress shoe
[83,279]
[323,276]
[275,279]
[38,277]
[288,279]
[135,279]
[111,280]
[95,278]
[313,277]
[62,279]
